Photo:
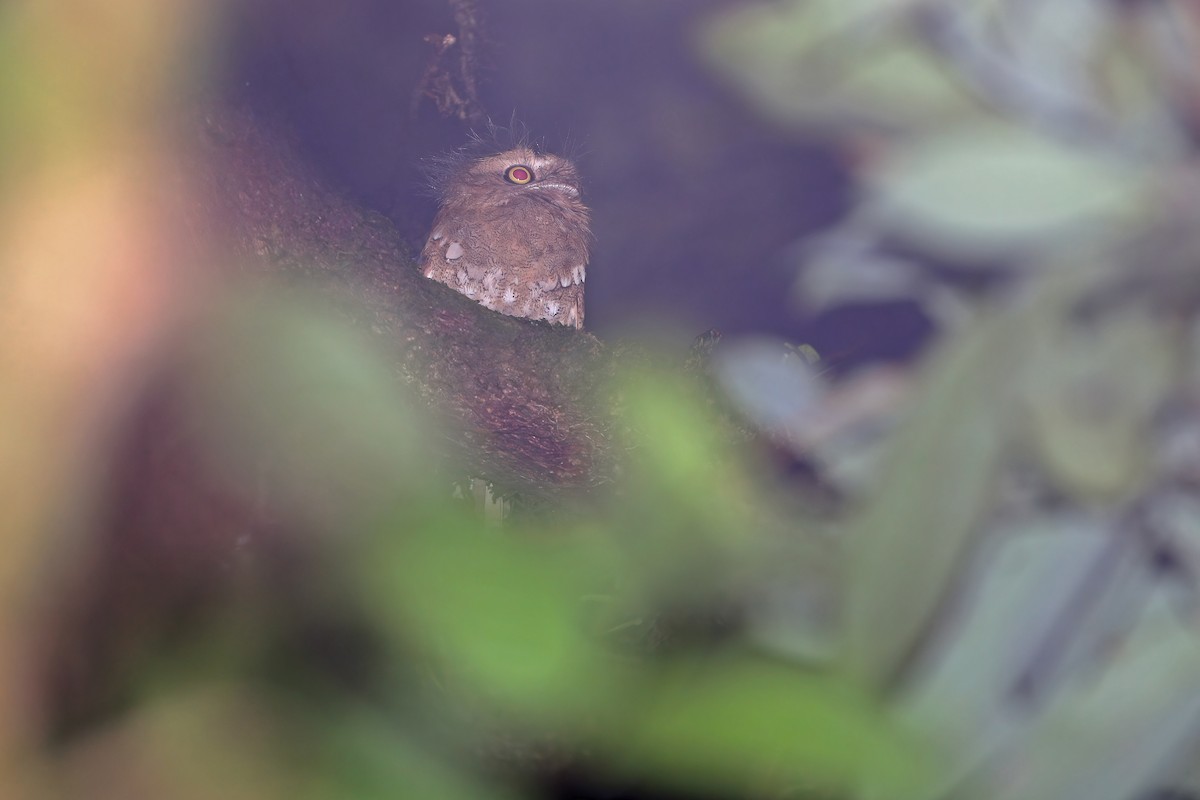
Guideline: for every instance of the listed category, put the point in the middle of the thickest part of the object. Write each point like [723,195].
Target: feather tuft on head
[441,170]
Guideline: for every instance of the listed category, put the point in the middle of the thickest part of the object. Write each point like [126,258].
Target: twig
[454,91]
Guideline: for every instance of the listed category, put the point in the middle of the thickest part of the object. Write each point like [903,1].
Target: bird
[511,232]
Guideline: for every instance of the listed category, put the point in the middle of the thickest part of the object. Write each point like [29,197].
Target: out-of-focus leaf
[751,728]
[1057,41]
[1092,393]
[1039,608]
[694,527]
[1037,59]
[821,62]
[907,540]
[682,448]
[897,83]
[784,30]
[503,615]
[1088,54]
[695,511]
[1111,735]
[297,404]
[990,190]
[230,743]
[796,615]
[218,743]
[89,282]
[362,758]
[96,83]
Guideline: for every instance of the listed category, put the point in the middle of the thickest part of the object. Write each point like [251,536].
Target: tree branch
[521,394]
[524,400]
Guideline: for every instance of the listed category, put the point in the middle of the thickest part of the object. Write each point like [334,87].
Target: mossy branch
[524,399]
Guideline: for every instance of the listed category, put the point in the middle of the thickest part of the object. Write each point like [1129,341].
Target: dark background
[698,204]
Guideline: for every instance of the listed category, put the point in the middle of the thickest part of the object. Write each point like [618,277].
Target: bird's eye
[518,174]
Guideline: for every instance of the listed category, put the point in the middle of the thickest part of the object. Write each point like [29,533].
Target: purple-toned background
[698,203]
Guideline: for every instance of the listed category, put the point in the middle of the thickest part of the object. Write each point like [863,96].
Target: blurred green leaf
[779,30]
[502,615]
[680,438]
[744,726]
[989,190]
[818,62]
[360,757]
[901,86]
[693,512]
[907,541]
[296,403]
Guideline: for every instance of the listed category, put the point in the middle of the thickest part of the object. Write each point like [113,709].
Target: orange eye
[518,174]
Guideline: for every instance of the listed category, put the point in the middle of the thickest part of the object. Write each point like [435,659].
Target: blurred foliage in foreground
[408,646]
[1021,579]
[1011,564]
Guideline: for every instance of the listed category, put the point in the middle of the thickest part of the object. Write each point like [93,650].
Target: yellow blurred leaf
[90,276]
[218,743]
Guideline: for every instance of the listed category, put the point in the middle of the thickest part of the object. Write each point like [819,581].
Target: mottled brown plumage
[512,234]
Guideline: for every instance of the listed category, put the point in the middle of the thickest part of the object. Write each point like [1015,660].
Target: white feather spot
[437,235]
[577,274]
[510,296]
[573,316]
[462,277]
[455,250]
[469,291]
[552,308]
